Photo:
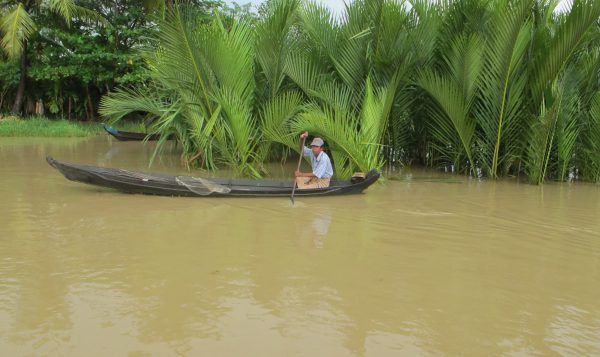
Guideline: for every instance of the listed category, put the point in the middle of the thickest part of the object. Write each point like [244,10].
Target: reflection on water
[413,267]
[320,220]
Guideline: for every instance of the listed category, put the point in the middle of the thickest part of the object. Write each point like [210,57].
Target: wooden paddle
[297,169]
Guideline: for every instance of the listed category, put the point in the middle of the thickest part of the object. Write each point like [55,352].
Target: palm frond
[424,26]
[320,26]
[180,64]
[394,40]
[69,10]
[307,73]
[501,98]
[16,26]
[275,42]
[591,142]
[230,56]
[571,32]
[122,102]
[454,92]
[276,117]
[568,126]
[541,135]
[239,133]
[353,38]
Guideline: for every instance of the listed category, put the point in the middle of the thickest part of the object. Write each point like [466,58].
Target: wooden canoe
[168,185]
[128,135]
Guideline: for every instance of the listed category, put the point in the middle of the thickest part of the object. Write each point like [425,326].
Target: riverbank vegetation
[44,127]
[485,88]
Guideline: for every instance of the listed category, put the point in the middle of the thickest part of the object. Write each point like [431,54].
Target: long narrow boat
[128,135]
[166,185]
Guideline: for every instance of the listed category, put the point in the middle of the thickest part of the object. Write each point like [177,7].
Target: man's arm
[303,137]
[304,151]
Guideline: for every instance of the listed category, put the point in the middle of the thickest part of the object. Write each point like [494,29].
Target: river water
[420,265]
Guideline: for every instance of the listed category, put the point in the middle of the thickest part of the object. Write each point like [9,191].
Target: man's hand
[304,135]
[298,174]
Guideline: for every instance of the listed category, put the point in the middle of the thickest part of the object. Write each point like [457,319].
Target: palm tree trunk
[16,109]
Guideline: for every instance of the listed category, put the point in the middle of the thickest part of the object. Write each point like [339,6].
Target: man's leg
[302,182]
[312,182]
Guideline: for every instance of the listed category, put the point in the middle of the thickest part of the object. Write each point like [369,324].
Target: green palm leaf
[276,117]
[499,108]
[555,53]
[568,124]
[591,142]
[69,10]
[179,62]
[454,92]
[275,42]
[122,102]
[16,25]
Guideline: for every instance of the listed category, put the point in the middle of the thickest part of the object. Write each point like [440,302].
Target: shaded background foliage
[72,64]
[79,63]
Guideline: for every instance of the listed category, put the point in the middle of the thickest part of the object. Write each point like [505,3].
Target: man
[321,166]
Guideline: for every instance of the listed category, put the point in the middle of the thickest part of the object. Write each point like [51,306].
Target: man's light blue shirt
[321,165]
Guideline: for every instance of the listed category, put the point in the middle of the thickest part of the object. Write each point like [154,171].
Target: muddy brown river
[424,264]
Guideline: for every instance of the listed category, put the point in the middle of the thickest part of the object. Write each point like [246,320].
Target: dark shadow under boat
[128,135]
[168,185]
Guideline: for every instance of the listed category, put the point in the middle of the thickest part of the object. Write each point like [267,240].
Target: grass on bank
[44,127]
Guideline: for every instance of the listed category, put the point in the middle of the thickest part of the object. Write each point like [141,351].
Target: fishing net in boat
[200,186]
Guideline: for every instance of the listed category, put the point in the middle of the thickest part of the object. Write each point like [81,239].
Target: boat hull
[166,185]
[129,136]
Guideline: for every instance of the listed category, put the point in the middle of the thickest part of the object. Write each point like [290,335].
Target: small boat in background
[129,136]
[168,185]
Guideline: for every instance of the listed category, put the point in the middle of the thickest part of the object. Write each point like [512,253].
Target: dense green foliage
[488,88]
[76,58]
[19,23]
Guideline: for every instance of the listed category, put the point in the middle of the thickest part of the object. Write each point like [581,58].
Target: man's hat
[317,142]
